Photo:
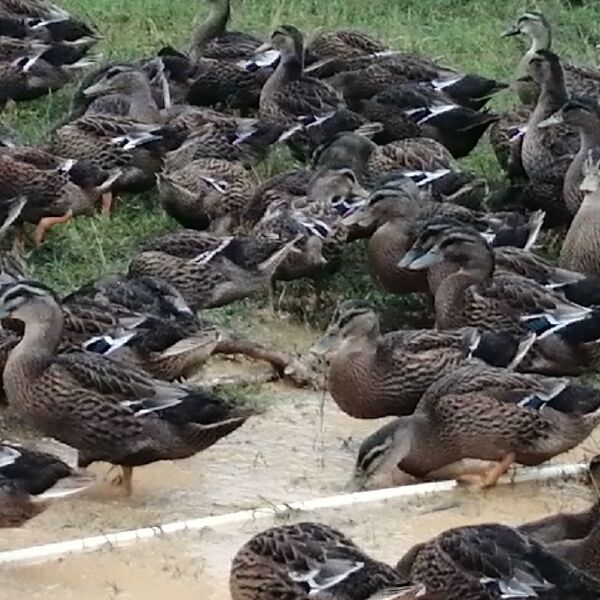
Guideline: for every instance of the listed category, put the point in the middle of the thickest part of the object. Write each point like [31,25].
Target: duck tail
[503,349]
[270,265]
[11,211]
[579,399]
[206,341]
[536,222]
[67,486]
[408,592]
[583,330]
[585,292]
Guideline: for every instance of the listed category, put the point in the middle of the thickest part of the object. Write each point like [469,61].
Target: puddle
[302,447]
[196,564]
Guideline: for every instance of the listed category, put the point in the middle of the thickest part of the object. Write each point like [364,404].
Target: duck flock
[376,134]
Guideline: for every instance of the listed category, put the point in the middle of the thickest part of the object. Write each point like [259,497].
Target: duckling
[206,192]
[373,375]
[547,152]
[31,480]
[212,279]
[307,560]
[578,251]
[213,40]
[123,92]
[535,26]
[106,410]
[493,561]
[448,428]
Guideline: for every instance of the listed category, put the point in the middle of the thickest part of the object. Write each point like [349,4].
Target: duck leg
[490,477]
[107,204]
[124,480]
[48,222]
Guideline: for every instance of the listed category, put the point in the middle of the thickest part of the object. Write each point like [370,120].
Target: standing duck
[547,152]
[104,409]
[579,80]
[374,375]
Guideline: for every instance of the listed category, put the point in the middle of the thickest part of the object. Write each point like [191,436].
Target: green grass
[459,33]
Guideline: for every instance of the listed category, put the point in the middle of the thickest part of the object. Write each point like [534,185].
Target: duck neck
[213,26]
[553,96]
[449,298]
[143,104]
[290,68]
[34,353]
[541,40]
[423,454]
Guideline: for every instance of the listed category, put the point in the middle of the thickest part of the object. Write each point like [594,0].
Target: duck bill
[360,216]
[326,344]
[416,261]
[511,32]
[98,89]
[555,119]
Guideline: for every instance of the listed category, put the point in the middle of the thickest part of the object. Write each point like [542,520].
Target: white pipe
[122,538]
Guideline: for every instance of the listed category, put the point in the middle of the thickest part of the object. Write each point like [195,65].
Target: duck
[535,26]
[53,192]
[424,160]
[389,68]
[166,349]
[31,480]
[150,296]
[490,561]
[373,375]
[399,214]
[30,77]
[306,560]
[559,528]
[125,92]
[112,142]
[217,276]
[559,393]
[289,95]
[241,140]
[213,40]
[578,251]
[487,425]
[207,192]
[116,413]
[473,295]
[506,138]
[583,114]
[547,152]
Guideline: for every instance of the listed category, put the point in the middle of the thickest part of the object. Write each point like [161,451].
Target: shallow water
[196,564]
